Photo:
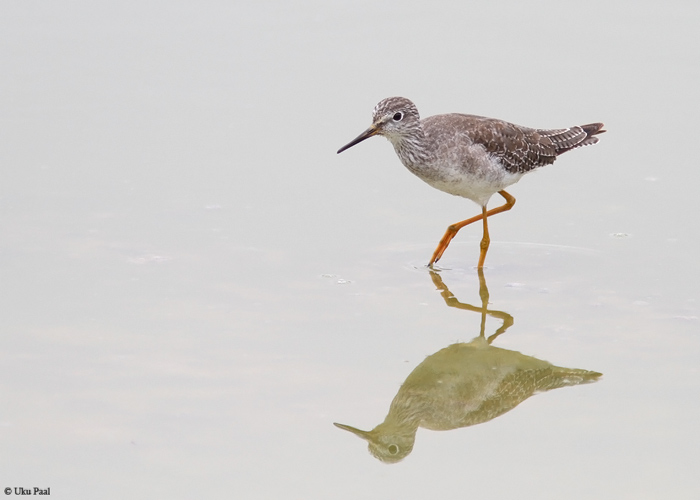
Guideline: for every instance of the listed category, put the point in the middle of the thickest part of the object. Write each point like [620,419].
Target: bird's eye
[393,449]
[398,117]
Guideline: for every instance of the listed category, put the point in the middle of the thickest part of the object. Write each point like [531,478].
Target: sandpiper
[470,156]
[464,384]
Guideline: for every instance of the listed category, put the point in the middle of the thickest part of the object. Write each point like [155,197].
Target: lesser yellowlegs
[464,384]
[470,156]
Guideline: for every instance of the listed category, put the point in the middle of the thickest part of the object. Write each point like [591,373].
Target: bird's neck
[413,149]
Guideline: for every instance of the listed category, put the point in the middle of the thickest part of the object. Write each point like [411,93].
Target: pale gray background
[195,286]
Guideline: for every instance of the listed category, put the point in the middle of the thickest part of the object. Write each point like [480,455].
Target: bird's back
[518,149]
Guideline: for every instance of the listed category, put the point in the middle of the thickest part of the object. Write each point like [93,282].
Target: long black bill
[364,135]
[363,434]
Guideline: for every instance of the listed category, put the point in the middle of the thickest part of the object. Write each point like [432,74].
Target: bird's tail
[567,139]
[562,377]
[591,130]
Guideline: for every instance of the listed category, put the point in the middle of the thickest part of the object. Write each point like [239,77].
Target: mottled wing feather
[521,384]
[521,149]
[570,138]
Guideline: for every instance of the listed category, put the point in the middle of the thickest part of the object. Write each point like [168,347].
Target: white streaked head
[396,118]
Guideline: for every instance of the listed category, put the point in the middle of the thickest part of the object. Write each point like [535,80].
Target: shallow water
[196,286]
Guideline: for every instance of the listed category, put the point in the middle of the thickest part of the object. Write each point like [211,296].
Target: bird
[464,384]
[470,156]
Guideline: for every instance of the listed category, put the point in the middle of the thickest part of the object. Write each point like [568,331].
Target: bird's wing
[566,139]
[519,149]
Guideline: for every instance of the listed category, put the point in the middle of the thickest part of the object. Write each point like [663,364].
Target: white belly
[459,167]
[477,183]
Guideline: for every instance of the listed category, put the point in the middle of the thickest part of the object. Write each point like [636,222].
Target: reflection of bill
[463,384]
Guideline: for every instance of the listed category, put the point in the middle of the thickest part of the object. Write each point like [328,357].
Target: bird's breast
[467,171]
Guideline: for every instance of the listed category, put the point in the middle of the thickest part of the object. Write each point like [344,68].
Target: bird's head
[386,442]
[394,118]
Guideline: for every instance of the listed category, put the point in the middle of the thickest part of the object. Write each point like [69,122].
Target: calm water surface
[196,287]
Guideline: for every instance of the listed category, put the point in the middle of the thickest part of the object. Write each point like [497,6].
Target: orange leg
[485,241]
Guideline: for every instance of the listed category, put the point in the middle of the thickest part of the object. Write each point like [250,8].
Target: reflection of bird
[461,385]
[470,156]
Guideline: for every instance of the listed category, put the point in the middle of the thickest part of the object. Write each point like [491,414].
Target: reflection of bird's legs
[485,241]
[483,293]
[452,301]
[507,323]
